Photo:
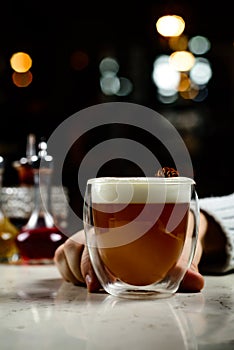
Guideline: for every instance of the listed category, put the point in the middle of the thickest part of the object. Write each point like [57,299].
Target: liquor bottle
[20,197]
[8,231]
[40,237]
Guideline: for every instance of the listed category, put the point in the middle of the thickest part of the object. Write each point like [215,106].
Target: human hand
[73,262]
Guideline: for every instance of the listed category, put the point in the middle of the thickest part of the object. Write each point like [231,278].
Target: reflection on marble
[135,324]
[40,311]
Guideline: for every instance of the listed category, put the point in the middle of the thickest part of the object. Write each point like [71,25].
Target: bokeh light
[202,94]
[194,72]
[109,66]
[201,72]
[190,93]
[79,60]
[109,85]
[21,62]
[22,79]
[110,82]
[182,61]
[125,87]
[184,82]
[170,25]
[178,43]
[199,45]
[167,99]
[164,75]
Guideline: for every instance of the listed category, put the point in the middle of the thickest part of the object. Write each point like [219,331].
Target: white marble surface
[40,311]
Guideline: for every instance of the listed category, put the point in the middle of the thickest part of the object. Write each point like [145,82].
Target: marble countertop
[40,311]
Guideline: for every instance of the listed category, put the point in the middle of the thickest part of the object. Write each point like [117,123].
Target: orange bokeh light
[22,79]
[79,60]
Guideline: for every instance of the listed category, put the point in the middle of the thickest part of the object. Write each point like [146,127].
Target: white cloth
[222,211]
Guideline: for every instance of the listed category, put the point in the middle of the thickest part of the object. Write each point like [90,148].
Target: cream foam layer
[141,190]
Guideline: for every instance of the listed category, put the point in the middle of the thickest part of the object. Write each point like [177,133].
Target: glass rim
[142,180]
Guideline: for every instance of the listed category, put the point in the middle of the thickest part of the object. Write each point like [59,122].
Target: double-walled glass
[141,233]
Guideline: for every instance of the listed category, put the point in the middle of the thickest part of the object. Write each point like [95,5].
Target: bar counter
[38,310]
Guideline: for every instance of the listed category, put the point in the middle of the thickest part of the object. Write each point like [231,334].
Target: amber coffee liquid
[156,249]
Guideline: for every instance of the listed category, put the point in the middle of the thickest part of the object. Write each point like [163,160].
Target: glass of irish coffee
[137,233]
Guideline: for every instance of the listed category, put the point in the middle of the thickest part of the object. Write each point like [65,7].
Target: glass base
[133,294]
[123,290]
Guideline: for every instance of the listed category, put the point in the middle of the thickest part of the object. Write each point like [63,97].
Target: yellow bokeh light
[191,93]
[21,62]
[170,25]
[182,61]
[178,43]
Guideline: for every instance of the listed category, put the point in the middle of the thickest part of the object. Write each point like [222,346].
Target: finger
[88,273]
[193,281]
[62,265]
[73,251]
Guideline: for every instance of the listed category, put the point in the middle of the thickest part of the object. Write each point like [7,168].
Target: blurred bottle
[40,237]
[8,232]
[19,207]
[24,165]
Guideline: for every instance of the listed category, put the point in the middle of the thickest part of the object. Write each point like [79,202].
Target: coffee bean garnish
[167,172]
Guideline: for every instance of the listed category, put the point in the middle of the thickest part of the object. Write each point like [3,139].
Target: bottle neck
[30,146]
[41,215]
[42,187]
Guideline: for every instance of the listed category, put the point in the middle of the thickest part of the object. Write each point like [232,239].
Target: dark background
[52,32]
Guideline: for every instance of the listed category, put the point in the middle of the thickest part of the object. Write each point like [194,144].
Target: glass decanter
[40,237]
[24,165]
[8,231]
